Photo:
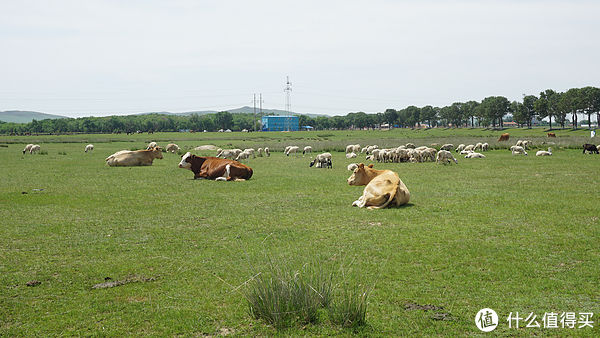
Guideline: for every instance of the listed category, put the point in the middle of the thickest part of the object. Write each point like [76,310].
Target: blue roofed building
[280,123]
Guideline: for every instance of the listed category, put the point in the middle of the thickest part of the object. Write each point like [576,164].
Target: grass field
[512,233]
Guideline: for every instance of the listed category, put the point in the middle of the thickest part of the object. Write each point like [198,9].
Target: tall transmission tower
[288,91]
[288,104]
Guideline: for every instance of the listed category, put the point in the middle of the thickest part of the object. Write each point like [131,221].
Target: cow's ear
[371,165]
[360,165]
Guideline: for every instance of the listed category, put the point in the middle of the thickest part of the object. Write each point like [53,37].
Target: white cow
[89,147]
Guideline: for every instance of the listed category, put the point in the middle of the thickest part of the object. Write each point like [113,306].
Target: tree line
[490,112]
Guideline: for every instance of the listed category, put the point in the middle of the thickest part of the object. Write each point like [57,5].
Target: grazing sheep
[151,145]
[172,148]
[353,148]
[519,143]
[462,152]
[250,151]
[416,156]
[474,155]
[34,148]
[444,156]
[470,147]
[28,148]
[544,153]
[352,166]
[307,150]
[478,146]
[485,147]
[410,145]
[228,153]
[292,150]
[351,155]
[259,152]
[447,146]
[267,151]
[322,161]
[460,148]
[89,147]
[429,153]
[245,154]
[518,150]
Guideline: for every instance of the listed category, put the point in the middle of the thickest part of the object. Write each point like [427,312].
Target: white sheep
[151,145]
[478,146]
[292,150]
[307,150]
[444,156]
[259,152]
[352,166]
[353,148]
[475,155]
[544,153]
[89,147]
[351,155]
[447,146]
[485,147]
[460,148]
[267,152]
[518,150]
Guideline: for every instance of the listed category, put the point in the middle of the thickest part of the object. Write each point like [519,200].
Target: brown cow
[504,137]
[214,168]
[383,188]
[551,135]
[126,158]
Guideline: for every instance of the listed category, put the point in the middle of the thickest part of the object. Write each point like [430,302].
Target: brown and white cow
[383,188]
[214,168]
[127,158]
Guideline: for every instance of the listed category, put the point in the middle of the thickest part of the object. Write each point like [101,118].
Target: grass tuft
[351,309]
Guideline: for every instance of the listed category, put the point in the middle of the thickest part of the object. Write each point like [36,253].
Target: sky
[81,58]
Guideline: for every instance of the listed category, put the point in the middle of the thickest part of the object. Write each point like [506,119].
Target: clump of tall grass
[350,310]
[282,296]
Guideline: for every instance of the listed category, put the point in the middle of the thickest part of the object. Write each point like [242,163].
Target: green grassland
[512,233]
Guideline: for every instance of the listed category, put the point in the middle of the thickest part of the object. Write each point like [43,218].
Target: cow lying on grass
[383,188]
[126,158]
[214,168]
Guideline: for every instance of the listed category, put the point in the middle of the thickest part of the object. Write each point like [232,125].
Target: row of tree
[491,111]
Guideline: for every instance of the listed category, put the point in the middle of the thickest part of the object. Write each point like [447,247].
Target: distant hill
[27,116]
[242,110]
[19,116]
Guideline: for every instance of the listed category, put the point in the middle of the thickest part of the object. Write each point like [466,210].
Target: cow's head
[360,175]
[157,152]
[186,161]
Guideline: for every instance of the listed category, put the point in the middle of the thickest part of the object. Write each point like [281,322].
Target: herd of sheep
[404,153]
